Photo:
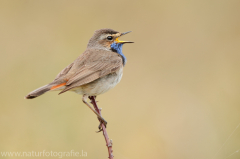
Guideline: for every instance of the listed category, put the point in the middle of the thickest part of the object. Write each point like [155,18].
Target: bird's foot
[100,125]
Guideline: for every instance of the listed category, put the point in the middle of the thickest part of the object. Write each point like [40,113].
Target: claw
[100,128]
[100,125]
[99,131]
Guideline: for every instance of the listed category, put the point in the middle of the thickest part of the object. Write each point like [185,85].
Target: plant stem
[108,142]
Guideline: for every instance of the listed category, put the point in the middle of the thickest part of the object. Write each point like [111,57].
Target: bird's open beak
[123,42]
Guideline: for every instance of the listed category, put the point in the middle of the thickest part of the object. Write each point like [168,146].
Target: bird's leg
[94,103]
[96,108]
[84,99]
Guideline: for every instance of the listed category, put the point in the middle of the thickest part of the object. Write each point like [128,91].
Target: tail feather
[38,92]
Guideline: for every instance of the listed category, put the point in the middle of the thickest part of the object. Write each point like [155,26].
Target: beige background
[179,96]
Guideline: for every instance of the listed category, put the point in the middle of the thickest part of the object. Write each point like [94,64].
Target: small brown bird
[94,72]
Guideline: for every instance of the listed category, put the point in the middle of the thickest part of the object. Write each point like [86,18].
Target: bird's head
[107,39]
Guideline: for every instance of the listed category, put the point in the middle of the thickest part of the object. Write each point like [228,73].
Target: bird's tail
[38,92]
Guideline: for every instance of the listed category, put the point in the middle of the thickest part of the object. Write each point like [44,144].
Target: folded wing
[91,65]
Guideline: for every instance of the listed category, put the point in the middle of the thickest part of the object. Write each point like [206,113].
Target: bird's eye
[109,37]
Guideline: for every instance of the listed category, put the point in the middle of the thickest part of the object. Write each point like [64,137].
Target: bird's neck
[117,47]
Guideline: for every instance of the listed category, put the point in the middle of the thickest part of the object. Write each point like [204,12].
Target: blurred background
[179,95]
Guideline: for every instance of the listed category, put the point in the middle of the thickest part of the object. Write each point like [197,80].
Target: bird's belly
[100,85]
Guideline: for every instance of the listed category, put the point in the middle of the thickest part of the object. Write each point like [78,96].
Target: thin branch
[108,142]
[226,140]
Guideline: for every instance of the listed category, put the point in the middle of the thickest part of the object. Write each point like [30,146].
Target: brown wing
[91,65]
[63,72]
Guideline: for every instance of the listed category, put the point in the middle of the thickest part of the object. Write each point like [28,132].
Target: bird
[97,70]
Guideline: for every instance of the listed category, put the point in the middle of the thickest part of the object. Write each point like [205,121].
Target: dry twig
[108,142]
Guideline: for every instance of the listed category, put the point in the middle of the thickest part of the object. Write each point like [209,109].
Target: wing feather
[91,65]
[63,72]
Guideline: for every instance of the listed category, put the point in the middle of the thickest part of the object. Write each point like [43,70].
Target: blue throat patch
[117,47]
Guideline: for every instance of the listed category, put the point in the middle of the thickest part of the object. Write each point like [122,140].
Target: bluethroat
[98,69]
